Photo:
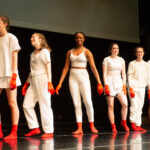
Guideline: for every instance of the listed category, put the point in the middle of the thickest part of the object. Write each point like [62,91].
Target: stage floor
[64,140]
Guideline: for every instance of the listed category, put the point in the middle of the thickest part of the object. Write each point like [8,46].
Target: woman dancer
[9,78]
[138,79]
[114,77]
[79,80]
[40,88]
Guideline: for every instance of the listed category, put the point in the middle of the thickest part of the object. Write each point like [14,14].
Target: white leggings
[38,92]
[136,106]
[79,83]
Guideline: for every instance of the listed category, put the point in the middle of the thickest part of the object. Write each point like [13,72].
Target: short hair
[80,33]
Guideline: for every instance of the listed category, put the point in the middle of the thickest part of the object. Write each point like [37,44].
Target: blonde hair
[44,43]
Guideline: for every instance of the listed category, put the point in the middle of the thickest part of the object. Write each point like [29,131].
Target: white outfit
[79,83]
[113,79]
[8,44]
[38,92]
[138,79]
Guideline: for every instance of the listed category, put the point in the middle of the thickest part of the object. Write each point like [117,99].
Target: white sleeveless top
[79,60]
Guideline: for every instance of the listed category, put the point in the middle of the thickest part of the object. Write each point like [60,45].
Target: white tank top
[79,60]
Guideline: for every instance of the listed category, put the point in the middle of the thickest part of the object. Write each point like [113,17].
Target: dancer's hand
[124,89]
[51,88]
[100,88]
[12,85]
[58,88]
[132,94]
[107,90]
[24,89]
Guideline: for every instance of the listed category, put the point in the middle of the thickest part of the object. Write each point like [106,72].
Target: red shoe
[33,132]
[92,127]
[141,129]
[79,130]
[1,132]
[134,128]
[13,134]
[124,125]
[47,135]
[113,126]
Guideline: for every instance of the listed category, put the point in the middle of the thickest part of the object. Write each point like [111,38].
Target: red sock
[92,127]
[47,135]
[133,127]
[141,129]
[13,134]
[33,132]
[1,132]
[124,125]
[113,126]
[79,130]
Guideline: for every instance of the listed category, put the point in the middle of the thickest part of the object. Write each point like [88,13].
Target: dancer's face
[139,53]
[35,40]
[79,39]
[2,26]
[114,50]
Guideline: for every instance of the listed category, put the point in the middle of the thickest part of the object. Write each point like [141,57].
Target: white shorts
[115,84]
[5,82]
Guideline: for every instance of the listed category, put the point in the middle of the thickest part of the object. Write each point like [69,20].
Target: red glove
[149,94]
[107,90]
[12,85]
[24,89]
[132,94]
[51,88]
[100,88]
[58,88]
[124,90]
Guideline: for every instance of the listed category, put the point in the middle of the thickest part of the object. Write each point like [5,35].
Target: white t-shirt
[38,62]
[138,74]
[8,44]
[114,65]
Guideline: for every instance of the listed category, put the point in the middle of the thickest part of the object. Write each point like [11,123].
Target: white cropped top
[79,60]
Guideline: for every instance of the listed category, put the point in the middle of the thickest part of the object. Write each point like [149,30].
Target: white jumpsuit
[138,79]
[79,83]
[38,92]
[113,79]
[8,44]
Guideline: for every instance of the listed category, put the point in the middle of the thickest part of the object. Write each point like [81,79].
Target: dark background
[60,43]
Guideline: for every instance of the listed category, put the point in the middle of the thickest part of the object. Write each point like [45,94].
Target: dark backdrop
[60,43]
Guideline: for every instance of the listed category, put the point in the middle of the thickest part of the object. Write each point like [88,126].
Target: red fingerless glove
[58,88]
[132,94]
[149,94]
[100,88]
[124,89]
[13,85]
[51,88]
[24,89]
[107,90]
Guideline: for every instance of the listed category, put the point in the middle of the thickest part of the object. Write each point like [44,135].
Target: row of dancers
[39,88]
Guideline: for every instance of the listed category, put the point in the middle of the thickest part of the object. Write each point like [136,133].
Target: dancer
[114,77]
[40,89]
[79,80]
[138,79]
[9,78]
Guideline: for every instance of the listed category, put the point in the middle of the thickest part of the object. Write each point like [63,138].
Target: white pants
[136,106]
[38,91]
[79,83]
